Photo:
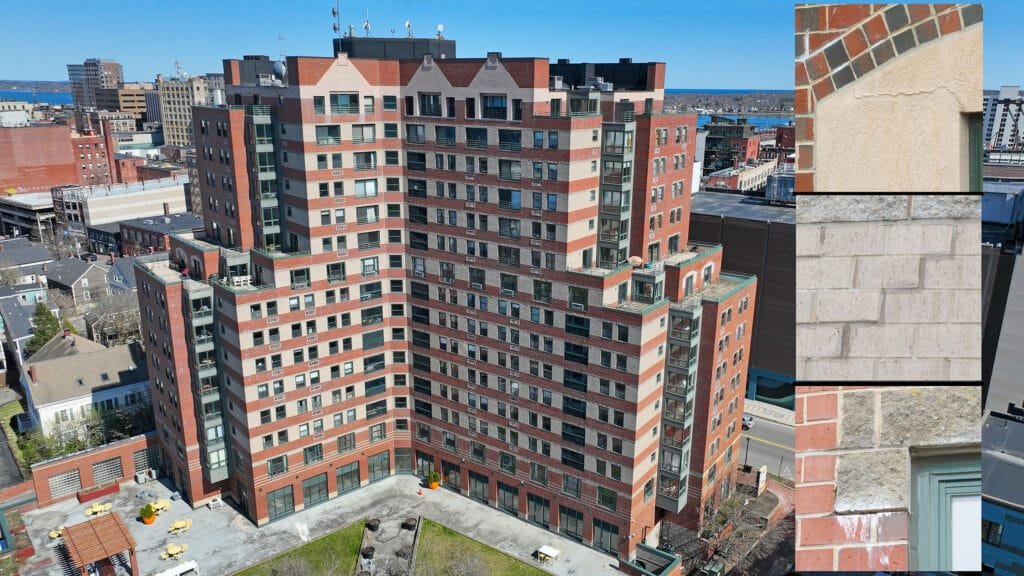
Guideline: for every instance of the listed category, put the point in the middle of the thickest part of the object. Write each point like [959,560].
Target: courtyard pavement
[223,541]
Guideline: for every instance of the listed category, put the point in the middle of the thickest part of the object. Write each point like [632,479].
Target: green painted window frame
[934,482]
[975,152]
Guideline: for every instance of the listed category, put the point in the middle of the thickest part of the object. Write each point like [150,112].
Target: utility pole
[746,453]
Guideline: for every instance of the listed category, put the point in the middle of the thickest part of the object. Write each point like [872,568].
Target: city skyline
[306,28]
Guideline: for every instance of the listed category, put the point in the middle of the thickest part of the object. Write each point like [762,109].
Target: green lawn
[439,545]
[7,412]
[336,553]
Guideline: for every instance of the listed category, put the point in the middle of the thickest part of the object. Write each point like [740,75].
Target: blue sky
[707,44]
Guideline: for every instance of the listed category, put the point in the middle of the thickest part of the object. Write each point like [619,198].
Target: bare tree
[115,319]
[745,557]
[9,274]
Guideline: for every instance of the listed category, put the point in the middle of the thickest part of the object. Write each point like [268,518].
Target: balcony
[676,415]
[495,113]
[445,141]
[430,110]
[364,140]
[369,245]
[505,261]
[509,176]
[344,108]
[365,166]
[510,146]
[415,139]
[481,144]
[328,140]
[672,442]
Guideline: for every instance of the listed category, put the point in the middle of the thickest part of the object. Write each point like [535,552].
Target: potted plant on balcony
[433,480]
[148,514]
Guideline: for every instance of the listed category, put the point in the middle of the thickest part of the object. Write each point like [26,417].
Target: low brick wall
[83,462]
[888,288]
[853,467]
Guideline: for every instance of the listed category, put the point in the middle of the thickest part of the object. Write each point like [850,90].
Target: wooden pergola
[96,541]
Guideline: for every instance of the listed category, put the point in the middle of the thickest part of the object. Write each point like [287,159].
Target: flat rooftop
[1001,458]
[222,541]
[31,200]
[739,206]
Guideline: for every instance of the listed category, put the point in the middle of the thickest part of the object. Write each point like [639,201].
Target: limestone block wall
[881,96]
[854,446]
[888,288]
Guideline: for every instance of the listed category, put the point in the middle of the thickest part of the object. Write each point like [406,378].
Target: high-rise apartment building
[479,266]
[1004,129]
[86,78]
[177,96]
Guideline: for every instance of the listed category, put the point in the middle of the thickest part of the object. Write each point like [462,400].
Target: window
[991,532]
[946,493]
[606,498]
[390,102]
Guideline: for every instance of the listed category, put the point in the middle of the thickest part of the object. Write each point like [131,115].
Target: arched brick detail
[837,44]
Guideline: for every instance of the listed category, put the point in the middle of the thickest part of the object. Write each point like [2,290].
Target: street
[770,444]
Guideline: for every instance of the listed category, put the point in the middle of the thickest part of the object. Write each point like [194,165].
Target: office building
[88,77]
[1002,505]
[177,97]
[503,290]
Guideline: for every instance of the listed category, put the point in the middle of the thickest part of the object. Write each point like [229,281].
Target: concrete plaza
[223,542]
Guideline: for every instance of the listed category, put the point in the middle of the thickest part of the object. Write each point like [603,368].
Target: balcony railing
[328,140]
[369,245]
[367,219]
[430,110]
[672,468]
[495,113]
[413,139]
[510,146]
[476,143]
[445,141]
[676,415]
[509,176]
[672,442]
[344,108]
[508,261]
[362,166]
[333,278]
[614,208]
[364,140]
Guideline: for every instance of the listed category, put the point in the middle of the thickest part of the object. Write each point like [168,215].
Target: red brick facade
[464,374]
[827,541]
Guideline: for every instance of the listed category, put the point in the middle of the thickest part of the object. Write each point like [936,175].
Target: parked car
[748,421]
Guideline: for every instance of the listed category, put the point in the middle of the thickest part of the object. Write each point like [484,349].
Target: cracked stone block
[872,481]
[857,429]
[922,416]
[842,208]
[945,206]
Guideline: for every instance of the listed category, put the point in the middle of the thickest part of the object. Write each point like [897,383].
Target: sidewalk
[768,412]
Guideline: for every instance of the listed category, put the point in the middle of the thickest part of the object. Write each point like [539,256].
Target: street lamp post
[746,453]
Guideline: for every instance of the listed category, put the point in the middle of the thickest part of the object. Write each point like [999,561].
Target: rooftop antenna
[366,23]
[282,39]
[179,72]
[440,31]
[408,28]
[336,13]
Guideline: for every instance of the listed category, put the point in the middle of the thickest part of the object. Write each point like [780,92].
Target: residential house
[70,376]
[83,282]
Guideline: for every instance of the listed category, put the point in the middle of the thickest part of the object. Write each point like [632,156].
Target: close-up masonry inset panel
[888,478]
[888,288]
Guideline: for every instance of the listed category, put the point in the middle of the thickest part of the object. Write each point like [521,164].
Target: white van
[189,568]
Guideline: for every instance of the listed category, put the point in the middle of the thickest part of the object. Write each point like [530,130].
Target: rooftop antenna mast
[408,28]
[282,39]
[179,72]
[440,31]
[336,13]
[366,23]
